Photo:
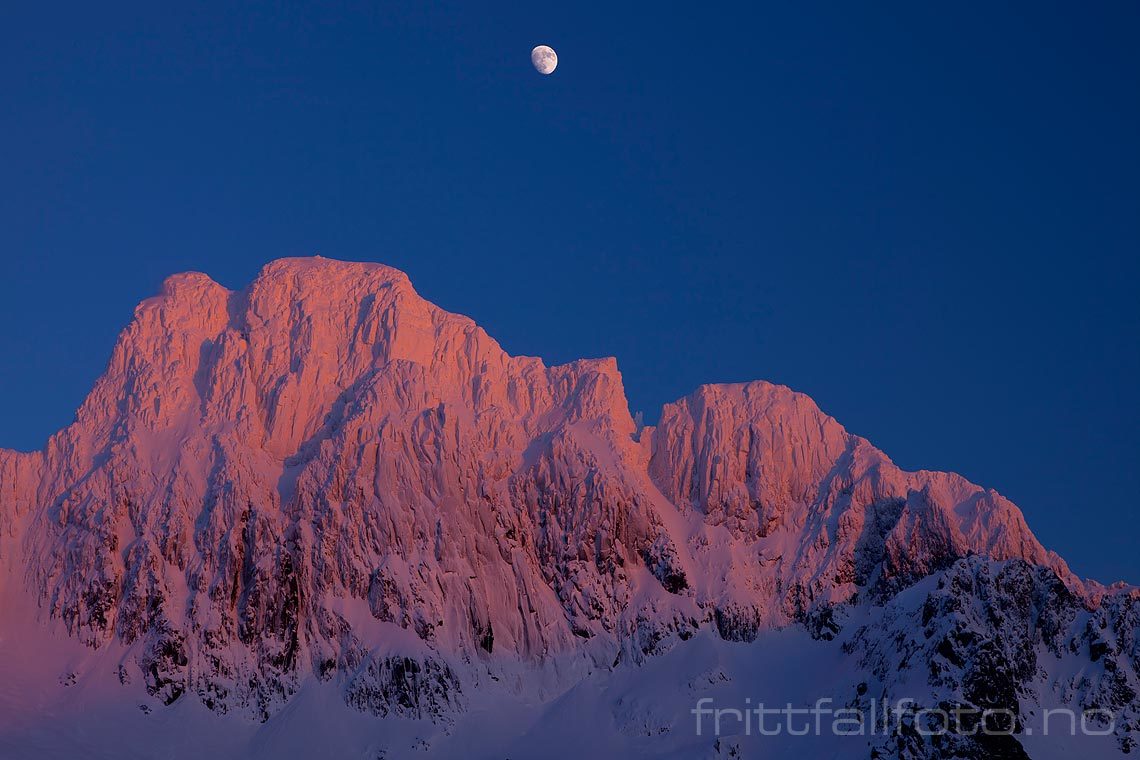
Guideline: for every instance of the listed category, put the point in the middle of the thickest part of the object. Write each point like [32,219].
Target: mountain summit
[325,481]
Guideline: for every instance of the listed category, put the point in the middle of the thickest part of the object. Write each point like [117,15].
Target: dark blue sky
[925,215]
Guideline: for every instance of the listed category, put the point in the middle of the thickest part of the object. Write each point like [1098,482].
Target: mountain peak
[309,270]
[254,463]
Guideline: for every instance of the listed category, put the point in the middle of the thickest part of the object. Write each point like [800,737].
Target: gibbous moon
[544,58]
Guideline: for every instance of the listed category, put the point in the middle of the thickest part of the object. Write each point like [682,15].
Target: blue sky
[926,216]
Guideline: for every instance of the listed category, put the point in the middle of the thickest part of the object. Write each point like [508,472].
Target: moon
[544,58]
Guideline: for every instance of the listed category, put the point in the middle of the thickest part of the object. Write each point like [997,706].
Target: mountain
[323,501]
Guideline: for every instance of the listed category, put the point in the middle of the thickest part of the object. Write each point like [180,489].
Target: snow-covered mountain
[332,512]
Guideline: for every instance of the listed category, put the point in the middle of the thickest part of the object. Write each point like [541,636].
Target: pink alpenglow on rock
[322,494]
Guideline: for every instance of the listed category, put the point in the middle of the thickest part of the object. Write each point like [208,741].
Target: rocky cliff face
[323,475]
[828,515]
[1008,638]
